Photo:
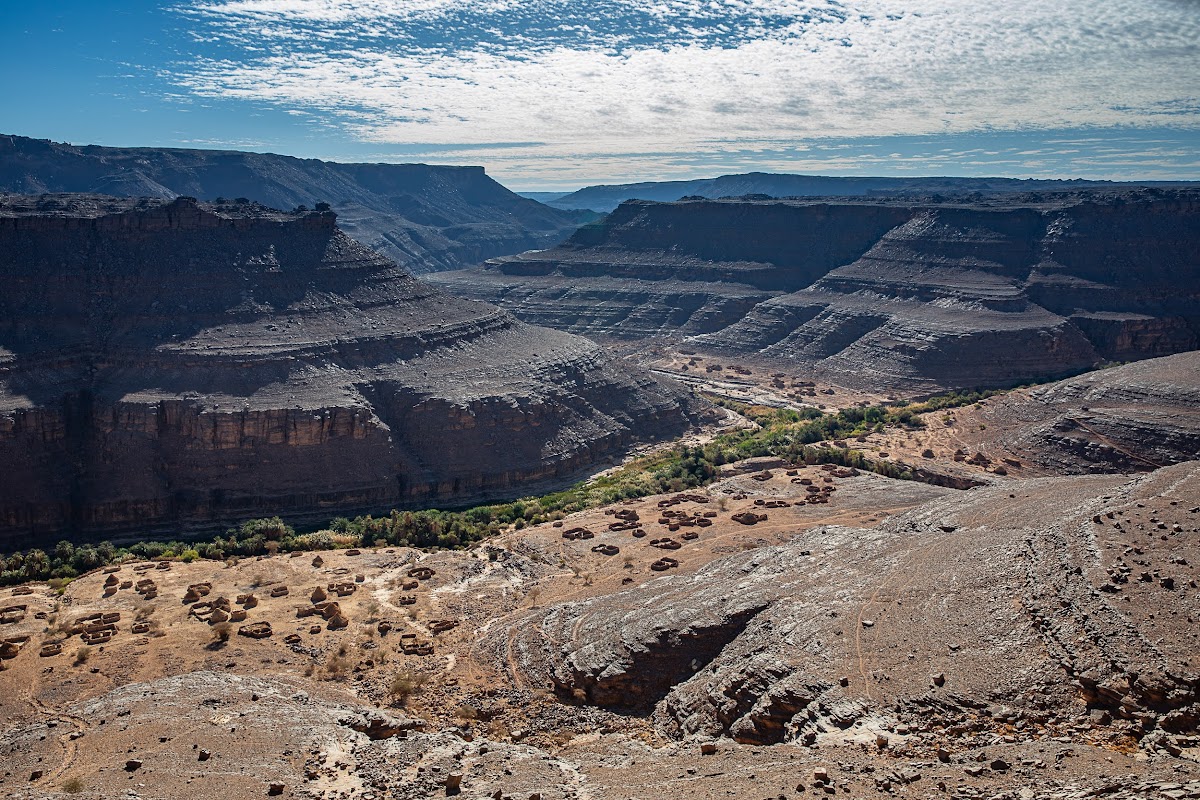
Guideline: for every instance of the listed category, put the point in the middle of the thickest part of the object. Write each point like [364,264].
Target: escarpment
[423,217]
[177,366]
[887,293]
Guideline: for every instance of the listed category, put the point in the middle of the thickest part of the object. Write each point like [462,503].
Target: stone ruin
[577,534]
[318,562]
[406,600]
[342,588]
[665,544]
[246,600]
[421,573]
[212,612]
[664,564]
[772,503]
[140,627]
[98,633]
[147,588]
[20,590]
[749,518]
[196,591]
[10,647]
[606,549]
[10,615]
[441,625]
[675,500]
[765,475]
[279,591]
[410,645]
[256,630]
[50,649]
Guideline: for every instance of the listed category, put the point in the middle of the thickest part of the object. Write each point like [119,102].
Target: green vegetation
[795,435]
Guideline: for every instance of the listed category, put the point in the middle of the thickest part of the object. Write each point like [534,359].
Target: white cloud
[571,77]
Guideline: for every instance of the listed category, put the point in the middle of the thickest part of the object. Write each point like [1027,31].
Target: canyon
[889,293]
[177,366]
[423,217]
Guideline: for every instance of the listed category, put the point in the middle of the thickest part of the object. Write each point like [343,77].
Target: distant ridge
[426,218]
[605,198]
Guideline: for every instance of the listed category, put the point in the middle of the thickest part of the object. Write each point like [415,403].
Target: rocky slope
[178,366]
[605,198]
[1033,639]
[1132,418]
[423,217]
[1016,604]
[880,293]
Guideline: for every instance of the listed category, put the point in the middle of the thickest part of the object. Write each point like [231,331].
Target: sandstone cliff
[174,366]
[880,293]
[423,217]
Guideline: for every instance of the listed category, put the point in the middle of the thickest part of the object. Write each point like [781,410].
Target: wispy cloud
[611,78]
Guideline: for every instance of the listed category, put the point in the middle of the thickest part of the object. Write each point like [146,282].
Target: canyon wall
[880,293]
[174,367]
[423,217]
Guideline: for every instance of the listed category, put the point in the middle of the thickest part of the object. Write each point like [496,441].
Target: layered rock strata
[1013,602]
[1130,418]
[173,366]
[423,217]
[885,293]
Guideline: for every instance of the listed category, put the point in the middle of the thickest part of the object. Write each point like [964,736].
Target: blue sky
[552,94]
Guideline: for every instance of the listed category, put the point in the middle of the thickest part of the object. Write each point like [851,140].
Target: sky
[558,94]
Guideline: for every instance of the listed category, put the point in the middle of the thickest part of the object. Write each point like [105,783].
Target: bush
[405,684]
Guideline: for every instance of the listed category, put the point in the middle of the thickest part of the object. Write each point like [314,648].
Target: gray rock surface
[879,294]
[997,592]
[423,217]
[1134,417]
[176,366]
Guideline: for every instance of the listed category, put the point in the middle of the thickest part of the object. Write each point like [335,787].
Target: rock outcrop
[880,293]
[423,217]
[1130,418]
[181,366]
[1023,599]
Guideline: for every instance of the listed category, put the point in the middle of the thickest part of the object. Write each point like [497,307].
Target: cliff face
[423,217]
[175,366]
[881,293]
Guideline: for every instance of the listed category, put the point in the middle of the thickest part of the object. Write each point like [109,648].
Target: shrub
[405,684]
